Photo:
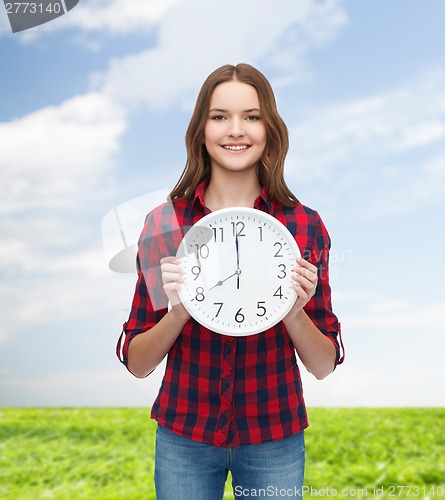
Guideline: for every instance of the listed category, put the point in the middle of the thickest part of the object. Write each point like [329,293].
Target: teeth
[235,148]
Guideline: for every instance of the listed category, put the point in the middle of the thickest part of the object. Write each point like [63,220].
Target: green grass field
[108,453]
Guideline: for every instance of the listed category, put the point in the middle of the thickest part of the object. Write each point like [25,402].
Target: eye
[218,117]
[253,118]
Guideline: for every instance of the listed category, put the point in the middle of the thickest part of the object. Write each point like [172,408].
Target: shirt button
[229,339]
[226,407]
[229,373]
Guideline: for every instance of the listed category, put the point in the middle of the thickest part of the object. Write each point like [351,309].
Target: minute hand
[238,271]
[237,252]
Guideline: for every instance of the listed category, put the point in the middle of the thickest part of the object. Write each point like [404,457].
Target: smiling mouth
[236,148]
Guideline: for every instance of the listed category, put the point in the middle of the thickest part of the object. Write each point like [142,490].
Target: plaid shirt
[218,389]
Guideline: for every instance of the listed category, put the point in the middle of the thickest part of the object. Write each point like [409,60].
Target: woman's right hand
[148,349]
[172,278]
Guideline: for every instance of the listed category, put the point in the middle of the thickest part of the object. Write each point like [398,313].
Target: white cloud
[384,385]
[117,16]
[385,153]
[399,121]
[109,387]
[197,36]
[3,336]
[416,184]
[51,155]
[421,134]
[393,355]
[400,315]
[80,288]
[53,165]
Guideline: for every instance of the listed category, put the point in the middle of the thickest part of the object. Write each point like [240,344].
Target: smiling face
[235,135]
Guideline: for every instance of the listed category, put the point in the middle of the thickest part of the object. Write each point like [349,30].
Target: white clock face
[238,265]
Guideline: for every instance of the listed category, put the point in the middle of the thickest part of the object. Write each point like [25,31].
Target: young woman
[230,403]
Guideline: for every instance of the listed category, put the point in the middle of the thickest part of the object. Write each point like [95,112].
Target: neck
[232,189]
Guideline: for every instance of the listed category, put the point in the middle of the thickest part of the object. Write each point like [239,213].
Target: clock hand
[237,251]
[220,282]
[238,271]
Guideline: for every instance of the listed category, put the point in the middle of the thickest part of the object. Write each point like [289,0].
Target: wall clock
[238,264]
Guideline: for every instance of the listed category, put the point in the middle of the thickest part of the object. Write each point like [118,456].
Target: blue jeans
[188,470]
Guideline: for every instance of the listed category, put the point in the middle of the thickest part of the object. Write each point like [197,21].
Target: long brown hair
[271,165]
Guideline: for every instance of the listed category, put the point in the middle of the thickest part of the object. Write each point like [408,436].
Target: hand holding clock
[172,278]
[306,278]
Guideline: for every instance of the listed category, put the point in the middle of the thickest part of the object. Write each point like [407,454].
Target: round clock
[238,264]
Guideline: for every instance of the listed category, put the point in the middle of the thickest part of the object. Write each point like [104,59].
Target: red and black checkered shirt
[217,389]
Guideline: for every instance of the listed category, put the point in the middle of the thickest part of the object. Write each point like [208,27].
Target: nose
[236,127]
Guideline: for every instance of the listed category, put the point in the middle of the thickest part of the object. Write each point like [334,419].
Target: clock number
[280,246]
[220,304]
[199,294]
[238,228]
[261,232]
[196,271]
[202,251]
[278,293]
[282,273]
[215,234]
[262,308]
[239,317]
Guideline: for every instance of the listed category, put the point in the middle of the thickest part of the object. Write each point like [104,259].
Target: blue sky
[94,107]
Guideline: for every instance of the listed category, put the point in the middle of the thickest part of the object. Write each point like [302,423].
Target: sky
[93,111]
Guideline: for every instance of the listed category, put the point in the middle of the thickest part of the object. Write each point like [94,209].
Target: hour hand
[220,282]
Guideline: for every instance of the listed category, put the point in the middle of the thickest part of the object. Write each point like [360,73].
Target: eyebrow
[220,110]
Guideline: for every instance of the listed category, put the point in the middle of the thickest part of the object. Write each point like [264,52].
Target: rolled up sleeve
[319,308]
[150,302]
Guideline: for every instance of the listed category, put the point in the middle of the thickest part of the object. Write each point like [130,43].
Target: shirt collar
[263,202]
[198,198]
[200,191]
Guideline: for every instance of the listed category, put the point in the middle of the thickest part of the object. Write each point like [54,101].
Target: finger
[166,260]
[307,285]
[306,282]
[302,294]
[307,265]
[172,286]
[171,268]
[172,278]
[308,274]
[171,289]
[302,283]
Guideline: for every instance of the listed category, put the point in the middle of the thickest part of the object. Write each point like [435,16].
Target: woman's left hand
[305,279]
